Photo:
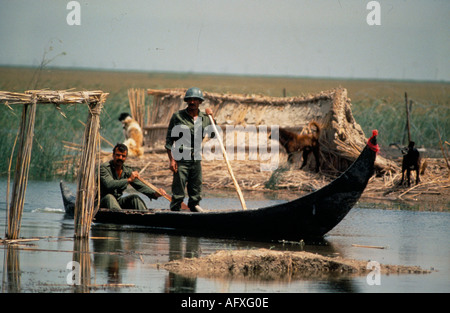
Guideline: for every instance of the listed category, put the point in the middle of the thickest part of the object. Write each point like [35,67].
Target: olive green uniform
[112,188]
[184,138]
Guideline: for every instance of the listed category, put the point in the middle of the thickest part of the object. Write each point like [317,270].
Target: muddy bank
[269,265]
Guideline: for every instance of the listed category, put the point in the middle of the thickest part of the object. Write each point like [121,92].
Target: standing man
[115,178]
[183,144]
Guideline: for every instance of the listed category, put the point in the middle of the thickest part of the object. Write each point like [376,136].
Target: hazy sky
[317,38]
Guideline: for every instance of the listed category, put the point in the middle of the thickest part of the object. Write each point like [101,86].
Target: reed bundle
[86,184]
[22,168]
[253,98]
[136,98]
[51,96]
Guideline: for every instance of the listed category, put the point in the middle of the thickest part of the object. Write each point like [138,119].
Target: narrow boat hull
[310,216]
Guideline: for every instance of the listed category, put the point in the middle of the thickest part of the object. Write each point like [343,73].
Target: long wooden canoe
[310,216]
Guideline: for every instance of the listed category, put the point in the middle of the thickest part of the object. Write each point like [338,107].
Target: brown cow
[306,143]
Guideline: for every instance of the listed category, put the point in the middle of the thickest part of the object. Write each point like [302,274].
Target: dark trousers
[129,202]
[188,176]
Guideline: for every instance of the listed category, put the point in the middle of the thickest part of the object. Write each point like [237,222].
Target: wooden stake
[238,189]
[408,127]
[442,149]
[365,246]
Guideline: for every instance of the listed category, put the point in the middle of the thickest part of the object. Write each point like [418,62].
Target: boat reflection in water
[132,250]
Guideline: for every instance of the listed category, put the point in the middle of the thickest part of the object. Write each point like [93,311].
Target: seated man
[114,179]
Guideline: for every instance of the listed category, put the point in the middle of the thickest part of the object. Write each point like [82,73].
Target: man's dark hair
[121,147]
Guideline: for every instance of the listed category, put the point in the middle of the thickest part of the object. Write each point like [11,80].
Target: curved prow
[68,199]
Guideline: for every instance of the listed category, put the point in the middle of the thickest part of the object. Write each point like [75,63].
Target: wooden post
[22,169]
[86,186]
[408,127]
[230,170]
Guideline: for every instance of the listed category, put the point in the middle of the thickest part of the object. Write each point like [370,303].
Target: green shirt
[111,184]
[191,132]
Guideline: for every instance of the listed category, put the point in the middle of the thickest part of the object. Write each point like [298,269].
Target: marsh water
[129,259]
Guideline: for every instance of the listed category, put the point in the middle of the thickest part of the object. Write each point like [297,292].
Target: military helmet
[194,92]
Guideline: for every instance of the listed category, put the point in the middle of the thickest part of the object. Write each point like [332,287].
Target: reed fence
[136,99]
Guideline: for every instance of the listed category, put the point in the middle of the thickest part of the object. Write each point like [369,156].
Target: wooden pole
[238,189]
[408,128]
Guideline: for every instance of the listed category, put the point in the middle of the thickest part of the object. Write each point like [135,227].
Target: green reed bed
[389,117]
[46,141]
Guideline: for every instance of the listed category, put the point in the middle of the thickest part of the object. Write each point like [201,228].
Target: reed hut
[341,137]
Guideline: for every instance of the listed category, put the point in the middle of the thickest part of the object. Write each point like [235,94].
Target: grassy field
[376,104]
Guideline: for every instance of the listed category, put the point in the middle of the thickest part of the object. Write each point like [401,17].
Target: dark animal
[411,161]
[306,143]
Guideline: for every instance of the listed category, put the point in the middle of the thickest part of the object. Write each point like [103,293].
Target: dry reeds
[22,168]
[86,185]
[136,98]
[51,96]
